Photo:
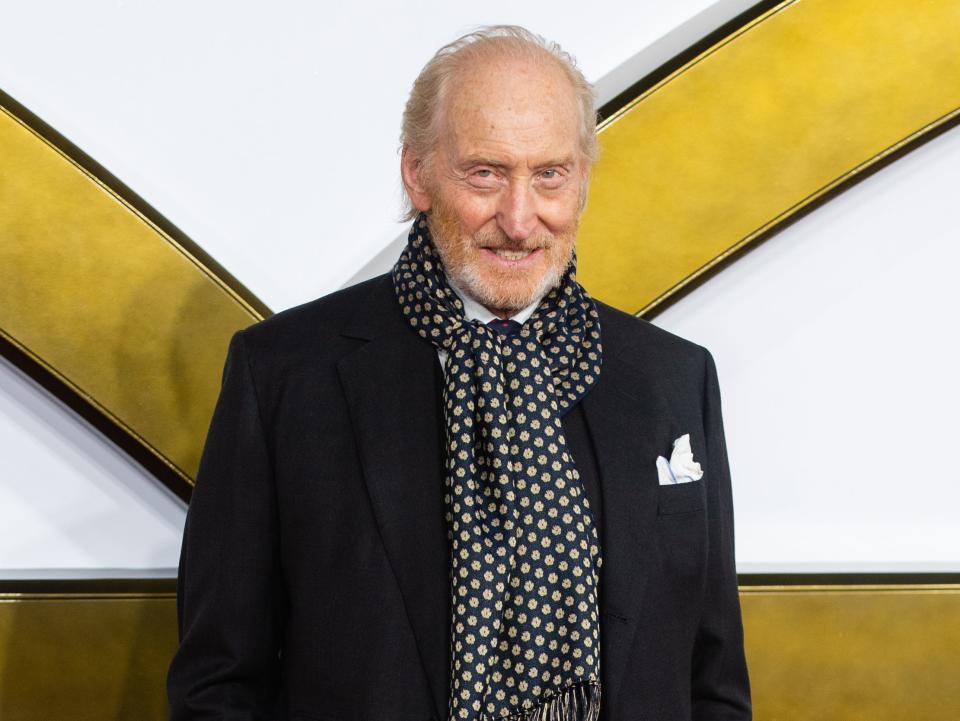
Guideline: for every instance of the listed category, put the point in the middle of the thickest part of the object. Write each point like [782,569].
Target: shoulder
[629,335]
[318,328]
[318,318]
[638,352]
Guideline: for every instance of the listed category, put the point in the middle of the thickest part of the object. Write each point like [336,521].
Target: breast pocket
[682,497]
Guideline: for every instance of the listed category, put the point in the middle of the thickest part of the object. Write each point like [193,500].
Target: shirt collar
[472,310]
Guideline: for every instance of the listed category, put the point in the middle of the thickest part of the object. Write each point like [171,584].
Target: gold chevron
[110,304]
[803,99]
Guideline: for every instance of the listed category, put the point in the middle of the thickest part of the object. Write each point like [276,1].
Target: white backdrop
[269,133]
[836,344]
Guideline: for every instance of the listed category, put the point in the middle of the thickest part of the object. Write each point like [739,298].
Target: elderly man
[444,493]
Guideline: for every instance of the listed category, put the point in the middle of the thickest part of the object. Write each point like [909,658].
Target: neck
[502,313]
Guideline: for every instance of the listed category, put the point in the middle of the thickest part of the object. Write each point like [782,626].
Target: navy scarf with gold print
[525,554]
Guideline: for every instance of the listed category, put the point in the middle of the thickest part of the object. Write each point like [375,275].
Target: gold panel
[85,657]
[797,102]
[883,653]
[843,653]
[108,302]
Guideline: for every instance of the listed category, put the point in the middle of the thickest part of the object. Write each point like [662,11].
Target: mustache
[499,240]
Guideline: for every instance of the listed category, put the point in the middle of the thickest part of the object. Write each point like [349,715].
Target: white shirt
[472,310]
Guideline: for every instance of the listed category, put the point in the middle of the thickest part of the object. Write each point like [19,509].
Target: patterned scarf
[525,555]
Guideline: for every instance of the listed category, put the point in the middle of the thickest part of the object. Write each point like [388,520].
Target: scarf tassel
[579,702]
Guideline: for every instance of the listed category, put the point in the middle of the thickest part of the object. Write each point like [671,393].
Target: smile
[513,258]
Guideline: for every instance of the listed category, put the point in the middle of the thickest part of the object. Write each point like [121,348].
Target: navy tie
[504,327]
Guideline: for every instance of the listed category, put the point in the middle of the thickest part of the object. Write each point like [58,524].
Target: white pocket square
[681,468]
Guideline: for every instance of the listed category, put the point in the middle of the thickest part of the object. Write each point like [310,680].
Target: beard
[499,289]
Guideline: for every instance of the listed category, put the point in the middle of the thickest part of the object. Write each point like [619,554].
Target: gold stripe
[874,589]
[109,303]
[879,652]
[80,656]
[802,100]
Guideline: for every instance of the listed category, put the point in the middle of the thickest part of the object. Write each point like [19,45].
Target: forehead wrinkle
[490,79]
[485,115]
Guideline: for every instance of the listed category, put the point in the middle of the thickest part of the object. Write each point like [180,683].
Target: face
[502,190]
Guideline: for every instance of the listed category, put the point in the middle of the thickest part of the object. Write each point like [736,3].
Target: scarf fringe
[578,702]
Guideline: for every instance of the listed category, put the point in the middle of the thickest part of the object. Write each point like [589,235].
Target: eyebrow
[557,162]
[471,160]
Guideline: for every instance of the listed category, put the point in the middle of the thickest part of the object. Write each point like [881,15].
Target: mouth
[513,258]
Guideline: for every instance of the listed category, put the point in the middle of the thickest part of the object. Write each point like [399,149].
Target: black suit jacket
[314,570]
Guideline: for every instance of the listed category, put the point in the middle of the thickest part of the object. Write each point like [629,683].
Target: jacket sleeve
[229,586]
[720,686]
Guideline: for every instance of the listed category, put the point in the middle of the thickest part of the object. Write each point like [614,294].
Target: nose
[517,211]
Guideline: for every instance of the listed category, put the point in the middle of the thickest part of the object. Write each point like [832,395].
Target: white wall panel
[836,344]
[71,499]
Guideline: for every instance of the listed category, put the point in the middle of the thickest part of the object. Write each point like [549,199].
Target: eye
[483,178]
[552,178]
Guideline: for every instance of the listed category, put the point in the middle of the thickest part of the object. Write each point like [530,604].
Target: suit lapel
[628,424]
[391,387]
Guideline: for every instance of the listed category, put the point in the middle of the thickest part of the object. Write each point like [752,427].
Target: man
[441,494]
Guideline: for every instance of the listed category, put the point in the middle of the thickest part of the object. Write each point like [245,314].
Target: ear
[584,185]
[412,170]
